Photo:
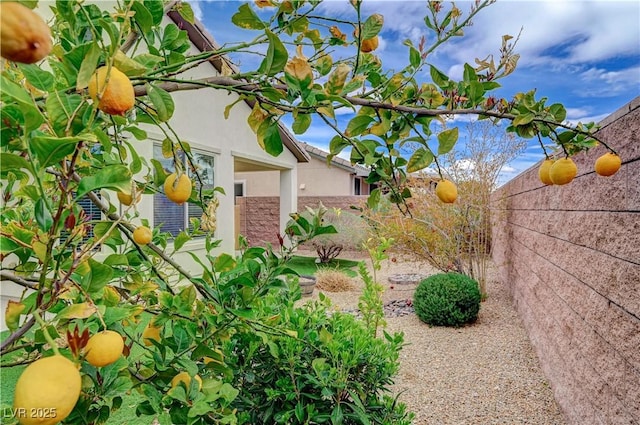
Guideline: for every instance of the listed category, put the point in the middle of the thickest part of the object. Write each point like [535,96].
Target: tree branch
[6,275]
[232,84]
[17,334]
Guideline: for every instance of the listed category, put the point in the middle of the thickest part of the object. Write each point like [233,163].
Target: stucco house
[317,177]
[221,147]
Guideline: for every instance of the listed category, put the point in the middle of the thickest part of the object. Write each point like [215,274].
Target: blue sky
[584,54]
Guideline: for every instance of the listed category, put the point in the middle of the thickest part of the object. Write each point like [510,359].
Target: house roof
[336,160]
[205,42]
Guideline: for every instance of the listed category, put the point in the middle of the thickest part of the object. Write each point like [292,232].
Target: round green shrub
[447,299]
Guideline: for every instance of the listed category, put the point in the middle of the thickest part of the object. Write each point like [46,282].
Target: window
[357,186]
[238,188]
[175,218]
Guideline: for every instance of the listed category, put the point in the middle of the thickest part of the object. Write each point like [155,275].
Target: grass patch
[308,266]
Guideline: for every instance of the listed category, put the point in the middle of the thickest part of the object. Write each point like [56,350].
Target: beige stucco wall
[199,120]
[315,178]
[570,256]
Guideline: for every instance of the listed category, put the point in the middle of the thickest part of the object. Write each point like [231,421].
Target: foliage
[83,274]
[370,302]
[447,299]
[308,266]
[316,367]
[454,237]
[351,232]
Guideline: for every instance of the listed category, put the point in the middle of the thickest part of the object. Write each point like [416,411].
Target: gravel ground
[485,373]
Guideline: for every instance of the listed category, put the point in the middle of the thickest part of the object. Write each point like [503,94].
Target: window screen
[169,216]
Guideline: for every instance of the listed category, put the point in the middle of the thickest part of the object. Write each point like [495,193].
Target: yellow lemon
[446,191]
[151,333]
[47,391]
[369,45]
[563,171]
[185,379]
[104,348]
[127,199]
[177,189]
[24,36]
[543,171]
[608,164]
[117,97]
[142,235]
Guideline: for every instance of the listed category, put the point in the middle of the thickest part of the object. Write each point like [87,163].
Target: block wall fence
[260,219]
[570,256]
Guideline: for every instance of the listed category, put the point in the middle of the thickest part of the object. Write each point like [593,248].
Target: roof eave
[205,42]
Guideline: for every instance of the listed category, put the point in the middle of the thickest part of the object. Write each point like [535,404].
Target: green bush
[318,367]
[447,299]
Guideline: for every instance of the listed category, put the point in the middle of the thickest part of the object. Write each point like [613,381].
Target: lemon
[563,171]
[543,171]
[369,45]
[178,190]
[446,191]
[608,164]
[151,333]
[104,348]
[142,235]
[47,387]
[117,97]
[24,36]
[127,199]
[186,380]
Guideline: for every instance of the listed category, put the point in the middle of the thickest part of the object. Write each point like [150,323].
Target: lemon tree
[105,301]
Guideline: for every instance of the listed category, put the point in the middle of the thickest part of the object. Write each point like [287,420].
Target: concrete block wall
[259,215]
[570,256]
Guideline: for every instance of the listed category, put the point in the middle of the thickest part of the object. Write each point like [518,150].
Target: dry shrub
[333,281]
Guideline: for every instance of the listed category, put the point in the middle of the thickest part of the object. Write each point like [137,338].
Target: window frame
[186,215]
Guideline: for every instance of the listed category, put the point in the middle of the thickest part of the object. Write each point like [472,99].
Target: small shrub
[333,281]
[447,299]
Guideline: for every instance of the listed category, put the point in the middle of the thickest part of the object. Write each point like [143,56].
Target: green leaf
[14,91]
[180,240]
[439,78]
[523,119]
[276,57]
[171,34]
[374,199]
[155,9]
[447,140]
[372,26]
[7,245]
[469,74]
[476,92]
[13,162]
[558,111]
[272,140]
[98,276]
[127,65]
[162,102]
[246,18]
[38,77]
[301,123]
[143,16]
[43,215]
[88,66]
[186,12]
[414,57]
[51,150]
[358,125]
[62,108]
[420,159]
[77,311]
[115,177]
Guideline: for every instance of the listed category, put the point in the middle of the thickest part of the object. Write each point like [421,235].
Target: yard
[482,373]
